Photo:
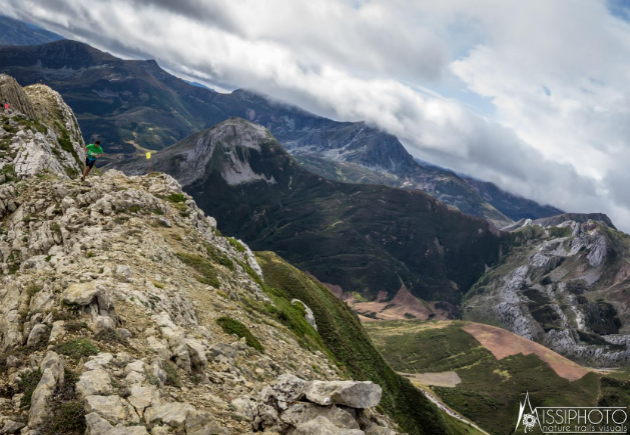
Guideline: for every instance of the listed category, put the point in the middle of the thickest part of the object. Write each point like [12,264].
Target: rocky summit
[123,310]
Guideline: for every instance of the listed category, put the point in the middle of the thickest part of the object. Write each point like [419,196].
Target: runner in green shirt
[92,152]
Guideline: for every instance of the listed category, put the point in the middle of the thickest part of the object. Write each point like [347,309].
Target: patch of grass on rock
[232,326]
[206,271]
[81,347]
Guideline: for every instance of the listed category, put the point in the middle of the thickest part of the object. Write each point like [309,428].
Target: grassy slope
[491,389]
[344,336]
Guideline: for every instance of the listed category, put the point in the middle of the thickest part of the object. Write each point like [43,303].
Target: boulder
[80,293]
[374,429]
[322,426]
[203,423]
[285,390]
[348,393]
[57,332]
[52,373]
[97,425]
[308,313]
[223,349]
[98,361]
[111,408]
[38,335]
[142,397]
[173,414]
[11,427]
[94,382]
[303,412]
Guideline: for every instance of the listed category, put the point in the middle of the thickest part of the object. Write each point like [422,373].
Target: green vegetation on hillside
[491,389]
[346,339]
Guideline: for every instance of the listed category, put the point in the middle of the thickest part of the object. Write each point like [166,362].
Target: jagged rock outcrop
[562,283]
[294,406]
[38,133]
[11,93]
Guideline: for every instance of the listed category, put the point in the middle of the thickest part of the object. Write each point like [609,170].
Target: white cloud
[556,74]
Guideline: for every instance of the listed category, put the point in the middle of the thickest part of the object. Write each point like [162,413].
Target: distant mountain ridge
[15,32]
[135,105]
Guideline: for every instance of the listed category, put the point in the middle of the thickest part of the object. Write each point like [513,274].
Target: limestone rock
[13,94]
[94,382]
[80,293]
[285,390]
[308,315]
[303,412]
[348,393]
[322,426]
[11,427]
[203,423]
[52,373]
[111,408]
[173,414]
[38,335]
[142,397]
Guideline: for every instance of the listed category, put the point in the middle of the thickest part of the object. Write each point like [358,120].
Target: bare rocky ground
[124,311]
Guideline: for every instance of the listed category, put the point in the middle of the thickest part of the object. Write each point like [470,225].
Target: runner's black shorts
[89,162]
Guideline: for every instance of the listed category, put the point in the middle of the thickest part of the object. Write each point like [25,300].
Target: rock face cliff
[564,283]
[124,311]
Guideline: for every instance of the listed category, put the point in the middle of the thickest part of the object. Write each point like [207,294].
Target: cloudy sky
[532,95]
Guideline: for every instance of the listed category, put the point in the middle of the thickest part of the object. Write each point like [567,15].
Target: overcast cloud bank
[538,91]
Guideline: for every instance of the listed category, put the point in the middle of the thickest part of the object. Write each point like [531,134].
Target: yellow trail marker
[148,156]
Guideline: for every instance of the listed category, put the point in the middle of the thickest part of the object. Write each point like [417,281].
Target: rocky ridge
[563,283]
[124,310]
[39,133]
[103,296]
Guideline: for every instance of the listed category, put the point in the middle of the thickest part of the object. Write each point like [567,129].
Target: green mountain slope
[367,239]
[490,388]
[343,334]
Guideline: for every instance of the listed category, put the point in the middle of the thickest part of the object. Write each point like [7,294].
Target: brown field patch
[503,343]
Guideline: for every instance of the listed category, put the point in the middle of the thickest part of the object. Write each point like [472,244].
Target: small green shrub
[219,257]
[110,336]
[556,232]
[67,412]
[232,326]
[235,244]
[75,326]
[27,385]
[176,197]
[172,377]
[81,347]
[207,272]
[69,418]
